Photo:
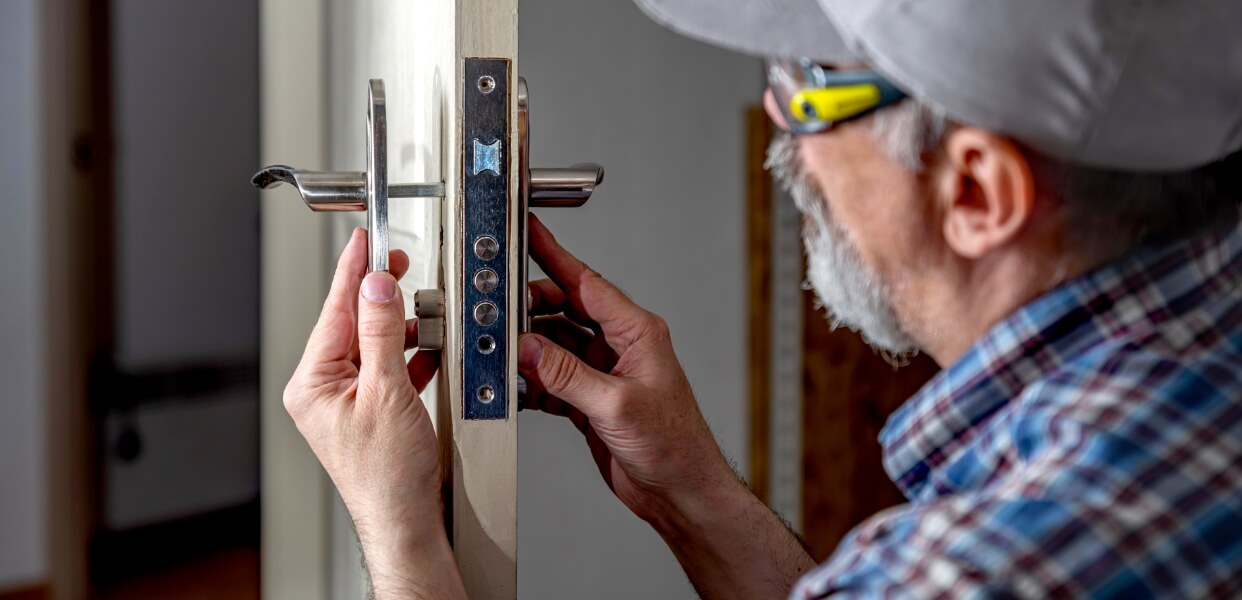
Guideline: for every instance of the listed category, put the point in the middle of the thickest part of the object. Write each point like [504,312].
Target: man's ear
[987,192]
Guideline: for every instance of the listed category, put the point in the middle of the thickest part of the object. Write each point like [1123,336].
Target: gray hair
[1102,212]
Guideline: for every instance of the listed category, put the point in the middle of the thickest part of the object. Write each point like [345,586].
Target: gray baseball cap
[1139,85]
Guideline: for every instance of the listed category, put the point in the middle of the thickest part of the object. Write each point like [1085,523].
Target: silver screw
[486,281]
[486,313]
[486,84]
[486,247]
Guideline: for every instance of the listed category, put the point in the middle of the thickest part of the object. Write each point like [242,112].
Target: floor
[228,575]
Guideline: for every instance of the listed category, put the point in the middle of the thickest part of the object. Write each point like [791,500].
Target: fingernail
[529,351]
[379,287]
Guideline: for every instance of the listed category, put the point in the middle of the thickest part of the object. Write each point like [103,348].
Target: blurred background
[143,117]
[131,429]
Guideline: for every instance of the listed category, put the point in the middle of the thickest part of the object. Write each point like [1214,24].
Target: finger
[600,355]
[547,298]
[333,335]
[544,402]
[589,294]
[564,333]
[398,263]
[591,348]
[381,334]
[422,367]
[553,369]
[411,333]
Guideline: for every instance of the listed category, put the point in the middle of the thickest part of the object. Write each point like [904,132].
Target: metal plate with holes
[485,318]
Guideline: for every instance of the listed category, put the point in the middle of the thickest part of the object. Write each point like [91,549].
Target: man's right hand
[609,366]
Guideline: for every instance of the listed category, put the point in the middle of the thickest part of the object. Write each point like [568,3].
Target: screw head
[486,313]
[486,247]
[486,281]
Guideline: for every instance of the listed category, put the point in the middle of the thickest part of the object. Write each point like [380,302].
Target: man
[1042,196]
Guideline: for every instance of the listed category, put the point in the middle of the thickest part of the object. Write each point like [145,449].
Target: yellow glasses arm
[833,103]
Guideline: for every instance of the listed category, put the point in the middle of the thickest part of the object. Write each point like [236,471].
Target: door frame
[76,186]
[293,113]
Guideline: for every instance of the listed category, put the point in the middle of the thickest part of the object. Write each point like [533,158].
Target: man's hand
[608,365]
[355,400]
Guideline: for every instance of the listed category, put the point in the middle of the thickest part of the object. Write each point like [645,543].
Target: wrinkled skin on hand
[608,365]
[356,400]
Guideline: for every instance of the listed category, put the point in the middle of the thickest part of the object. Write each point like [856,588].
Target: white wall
[664,115]
[22,456]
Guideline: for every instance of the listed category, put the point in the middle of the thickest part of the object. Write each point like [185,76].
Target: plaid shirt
[1088,445]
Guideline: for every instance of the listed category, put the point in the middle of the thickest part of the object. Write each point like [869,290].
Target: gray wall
[664,115]
[22,456]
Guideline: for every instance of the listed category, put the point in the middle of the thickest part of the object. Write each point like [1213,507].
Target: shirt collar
[1139,291]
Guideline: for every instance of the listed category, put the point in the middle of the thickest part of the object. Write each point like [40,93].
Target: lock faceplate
[486,203]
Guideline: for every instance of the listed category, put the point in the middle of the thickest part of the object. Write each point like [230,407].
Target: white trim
[293,114]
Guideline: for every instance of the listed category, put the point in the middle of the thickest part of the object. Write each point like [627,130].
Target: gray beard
[851,294]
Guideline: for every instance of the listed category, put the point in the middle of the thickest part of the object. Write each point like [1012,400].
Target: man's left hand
[356,401]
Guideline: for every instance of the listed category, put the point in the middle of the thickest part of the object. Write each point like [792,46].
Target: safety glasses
[812,97]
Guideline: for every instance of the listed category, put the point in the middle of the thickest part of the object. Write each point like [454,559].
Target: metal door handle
[568,188]
[335,191]
[545,188]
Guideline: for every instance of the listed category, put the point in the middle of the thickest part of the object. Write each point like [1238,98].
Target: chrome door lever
[337,191]
[569,188]
[334,191]
[546,188]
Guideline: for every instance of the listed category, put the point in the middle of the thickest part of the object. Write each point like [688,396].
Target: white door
[317,60]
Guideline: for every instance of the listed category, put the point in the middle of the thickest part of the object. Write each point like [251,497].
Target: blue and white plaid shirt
[1089,445]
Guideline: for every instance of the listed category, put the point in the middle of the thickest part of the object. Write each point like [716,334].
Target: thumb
[561,374]
[381,333]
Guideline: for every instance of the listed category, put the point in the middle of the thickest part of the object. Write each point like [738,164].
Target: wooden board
[75,192]
[759,212]
[848,393]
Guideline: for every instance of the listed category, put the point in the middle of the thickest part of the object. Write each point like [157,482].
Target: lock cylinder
[429,308]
